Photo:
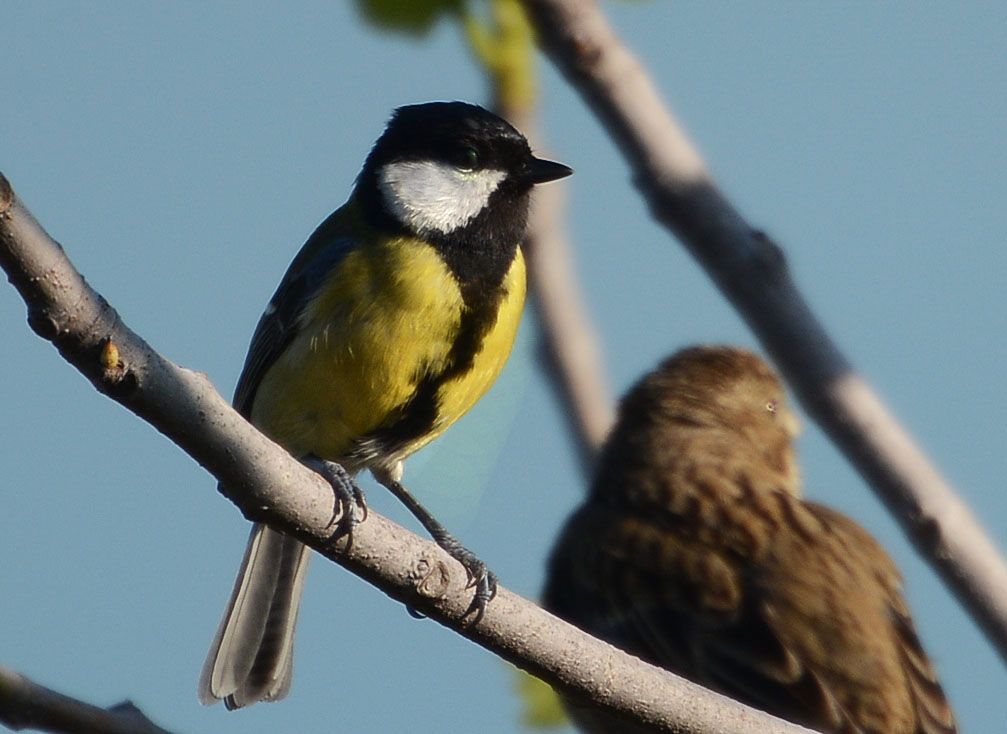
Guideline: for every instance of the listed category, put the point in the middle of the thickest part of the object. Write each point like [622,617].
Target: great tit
[391,322]
[696,552]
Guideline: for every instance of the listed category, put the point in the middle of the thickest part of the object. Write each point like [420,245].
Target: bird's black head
[457,175]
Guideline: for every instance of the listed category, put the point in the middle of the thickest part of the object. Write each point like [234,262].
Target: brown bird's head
[726,398]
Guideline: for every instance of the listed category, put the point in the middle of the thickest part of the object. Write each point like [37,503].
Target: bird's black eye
[467,158]
[771,406]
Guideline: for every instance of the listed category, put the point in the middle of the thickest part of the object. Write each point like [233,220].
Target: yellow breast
[384,322]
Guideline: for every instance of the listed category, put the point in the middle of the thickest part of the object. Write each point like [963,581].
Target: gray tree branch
[25,704]
[571,350]
[751,271]
[268,485]
[570,354]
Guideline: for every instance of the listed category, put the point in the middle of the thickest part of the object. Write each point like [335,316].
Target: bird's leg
[347,496]
[479,576]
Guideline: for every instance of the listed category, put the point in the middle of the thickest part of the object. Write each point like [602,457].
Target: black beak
[540,171]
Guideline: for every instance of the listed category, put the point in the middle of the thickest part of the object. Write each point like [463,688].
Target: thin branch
[751,271]
[570,352]
[268,485]
[25,704]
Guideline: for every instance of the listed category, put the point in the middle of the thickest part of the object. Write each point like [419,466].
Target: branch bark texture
[752,273]
[270,486]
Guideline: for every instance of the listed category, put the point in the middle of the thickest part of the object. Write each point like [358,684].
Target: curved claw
[347,497]
[361,501]
[486,589]
[479,576]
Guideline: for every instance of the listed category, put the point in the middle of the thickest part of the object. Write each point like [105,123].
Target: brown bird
[695,552]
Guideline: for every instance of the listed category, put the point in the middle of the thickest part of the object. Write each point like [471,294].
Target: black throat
[480,253]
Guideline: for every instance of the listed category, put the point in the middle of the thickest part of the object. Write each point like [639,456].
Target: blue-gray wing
[324,250]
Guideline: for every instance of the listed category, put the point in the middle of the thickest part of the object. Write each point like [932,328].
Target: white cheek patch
[430,196]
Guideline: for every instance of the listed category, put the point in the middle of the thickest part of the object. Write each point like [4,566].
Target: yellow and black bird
[696,552]
[391,322]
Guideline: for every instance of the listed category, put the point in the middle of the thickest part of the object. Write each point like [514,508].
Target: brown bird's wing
[694,610]
[675,603]
[748,627]
[918,682]
[932,707]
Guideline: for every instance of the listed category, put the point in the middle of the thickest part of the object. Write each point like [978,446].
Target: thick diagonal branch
[268,485]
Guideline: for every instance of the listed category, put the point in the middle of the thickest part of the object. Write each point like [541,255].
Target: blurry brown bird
[696,552]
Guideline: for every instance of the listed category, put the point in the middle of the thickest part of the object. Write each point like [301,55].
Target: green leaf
[540,706]
[416,17]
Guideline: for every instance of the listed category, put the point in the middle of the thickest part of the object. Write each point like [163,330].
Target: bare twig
[268,485]
[571,357]
[25,704]
[751,271]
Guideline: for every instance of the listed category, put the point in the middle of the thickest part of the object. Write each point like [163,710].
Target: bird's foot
[480,577]
[348,498]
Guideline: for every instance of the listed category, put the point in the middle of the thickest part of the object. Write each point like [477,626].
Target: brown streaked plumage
[696,552]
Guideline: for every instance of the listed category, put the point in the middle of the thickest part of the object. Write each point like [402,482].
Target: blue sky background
[182,152]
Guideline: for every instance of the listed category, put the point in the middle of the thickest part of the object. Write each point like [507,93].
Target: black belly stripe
[417,416]
[479,256]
